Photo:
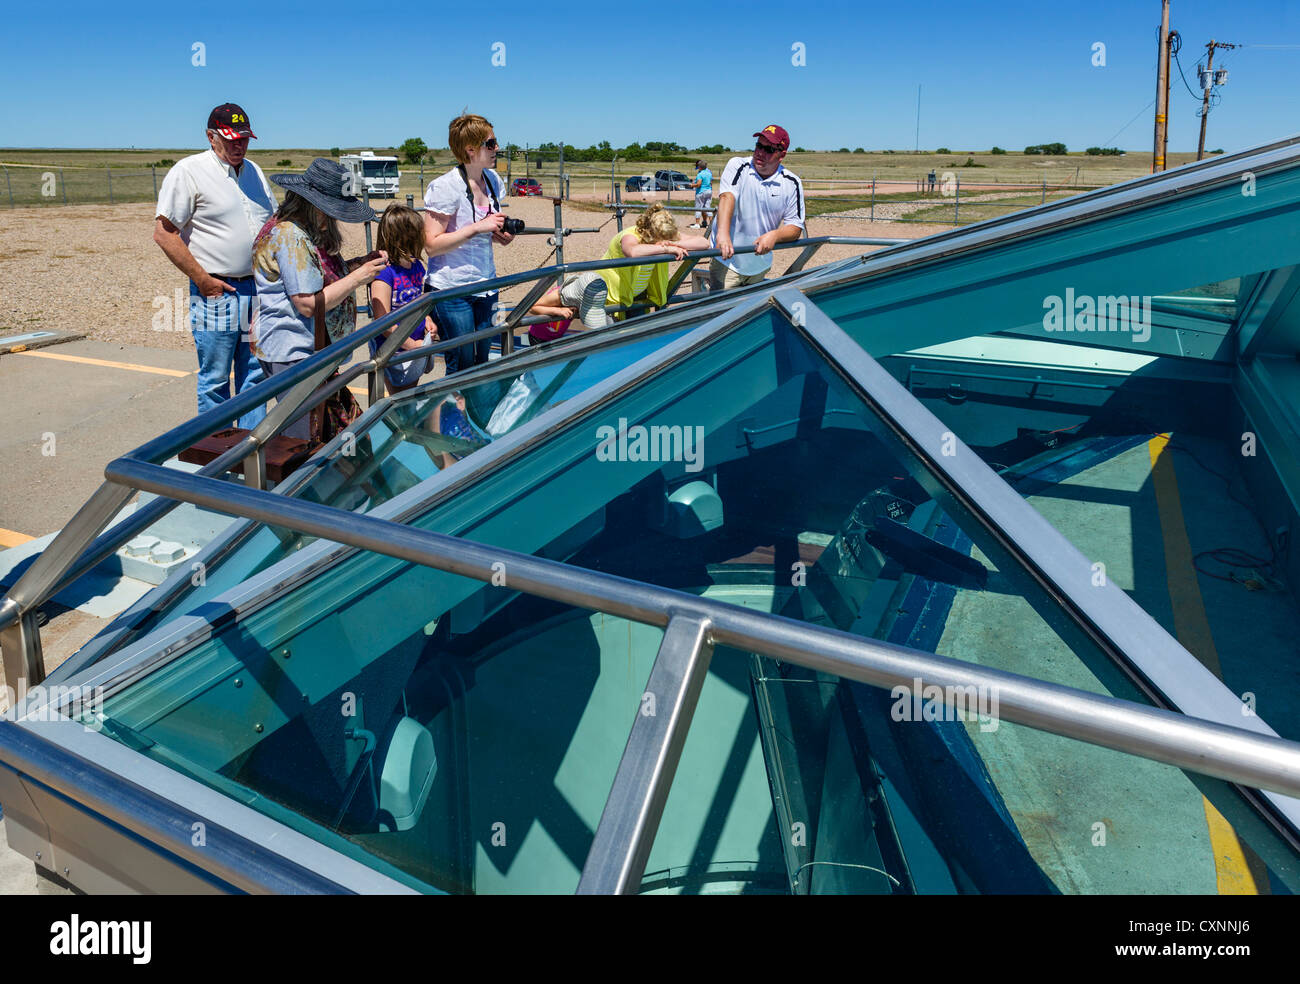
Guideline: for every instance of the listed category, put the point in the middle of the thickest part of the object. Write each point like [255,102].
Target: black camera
[513,226]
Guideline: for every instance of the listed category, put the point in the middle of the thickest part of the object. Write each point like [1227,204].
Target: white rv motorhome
[379,174]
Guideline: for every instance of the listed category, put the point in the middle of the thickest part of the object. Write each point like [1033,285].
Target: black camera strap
[469,190]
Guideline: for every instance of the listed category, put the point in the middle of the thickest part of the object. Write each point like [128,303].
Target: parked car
[526,187]
[672,180]
[641,182]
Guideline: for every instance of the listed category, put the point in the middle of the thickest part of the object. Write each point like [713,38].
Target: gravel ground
[95,268]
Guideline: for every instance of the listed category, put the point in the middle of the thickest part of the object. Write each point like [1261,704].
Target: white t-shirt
[762,205]
[219,213]
[472,260]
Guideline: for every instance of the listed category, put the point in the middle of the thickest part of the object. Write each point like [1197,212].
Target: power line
[1136,115]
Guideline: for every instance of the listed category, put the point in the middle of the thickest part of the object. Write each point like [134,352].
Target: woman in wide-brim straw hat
[297,265]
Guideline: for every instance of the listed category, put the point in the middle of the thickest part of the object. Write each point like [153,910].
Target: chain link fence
[25,186]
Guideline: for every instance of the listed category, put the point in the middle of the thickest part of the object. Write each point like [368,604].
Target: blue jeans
[220,329]
[461,316]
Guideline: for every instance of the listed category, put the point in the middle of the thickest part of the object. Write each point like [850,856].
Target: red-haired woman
[462,220]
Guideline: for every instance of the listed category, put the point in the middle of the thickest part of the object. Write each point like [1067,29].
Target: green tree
[413,150]
[335,151]
[858,150]
[943,150]
[997,151]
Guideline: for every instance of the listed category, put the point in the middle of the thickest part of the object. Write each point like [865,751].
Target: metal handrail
[94,547]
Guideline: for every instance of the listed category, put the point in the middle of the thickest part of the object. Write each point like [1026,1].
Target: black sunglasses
[490,143]
[766,148]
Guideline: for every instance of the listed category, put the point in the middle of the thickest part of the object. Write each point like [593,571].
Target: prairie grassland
[38,176]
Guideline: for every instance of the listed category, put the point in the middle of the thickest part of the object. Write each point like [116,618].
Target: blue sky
[1008,73]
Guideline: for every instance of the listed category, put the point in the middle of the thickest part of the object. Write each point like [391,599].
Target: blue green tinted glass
[473,755]
[750,473]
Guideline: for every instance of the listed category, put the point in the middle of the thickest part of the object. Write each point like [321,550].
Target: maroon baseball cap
[231,122]
[775,135]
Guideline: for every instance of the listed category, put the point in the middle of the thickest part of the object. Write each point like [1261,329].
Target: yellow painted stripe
[1238,869]
[12,538]
[1191,624]
[134,367]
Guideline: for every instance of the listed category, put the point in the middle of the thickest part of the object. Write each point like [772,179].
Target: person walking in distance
[210,209]
[760,204]
[703,185]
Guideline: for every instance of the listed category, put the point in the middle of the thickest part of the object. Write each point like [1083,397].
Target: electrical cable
[1264,569]
[1179,62]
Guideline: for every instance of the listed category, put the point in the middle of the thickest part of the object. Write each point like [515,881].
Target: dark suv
[672,181]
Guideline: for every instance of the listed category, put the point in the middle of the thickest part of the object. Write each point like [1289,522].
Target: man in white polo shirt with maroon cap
[210,209]
[760,204]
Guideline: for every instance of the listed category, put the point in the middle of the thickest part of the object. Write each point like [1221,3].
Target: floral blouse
[286,262]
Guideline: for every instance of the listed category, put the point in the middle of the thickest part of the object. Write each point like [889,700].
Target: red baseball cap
[775,135]
[231,122]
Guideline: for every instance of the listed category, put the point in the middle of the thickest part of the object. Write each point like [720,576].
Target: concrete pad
[1056,789]
[102,592]
[17,873]
[67,420]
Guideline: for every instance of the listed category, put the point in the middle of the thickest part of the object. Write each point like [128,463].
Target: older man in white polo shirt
[760,204]
[210,208]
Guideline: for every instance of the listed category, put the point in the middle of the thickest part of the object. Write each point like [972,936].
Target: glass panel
[452,734]
[817,786]
[1221,300]
[750,474]
[1154,478]
[423,433]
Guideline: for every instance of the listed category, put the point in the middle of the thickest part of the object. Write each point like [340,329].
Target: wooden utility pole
[1209,84]
[1162,93]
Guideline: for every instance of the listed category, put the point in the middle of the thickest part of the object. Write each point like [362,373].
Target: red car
[525,187]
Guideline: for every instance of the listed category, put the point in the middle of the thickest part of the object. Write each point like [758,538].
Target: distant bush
[1219,151]
[710,149]
[888,152]
[335,151]
[165,162]
[1104,152]
[858,150]
[970,162]
[284,163]
[943,150]
[413,149]
[842,150]
[800,150]
[1047,148]
[997,151]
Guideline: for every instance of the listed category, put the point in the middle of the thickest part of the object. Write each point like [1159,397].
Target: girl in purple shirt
[401,234]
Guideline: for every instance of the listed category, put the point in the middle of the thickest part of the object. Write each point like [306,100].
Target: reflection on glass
[1221,300]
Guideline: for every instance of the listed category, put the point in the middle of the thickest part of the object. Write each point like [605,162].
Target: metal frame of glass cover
[1251,756]
[627,828]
